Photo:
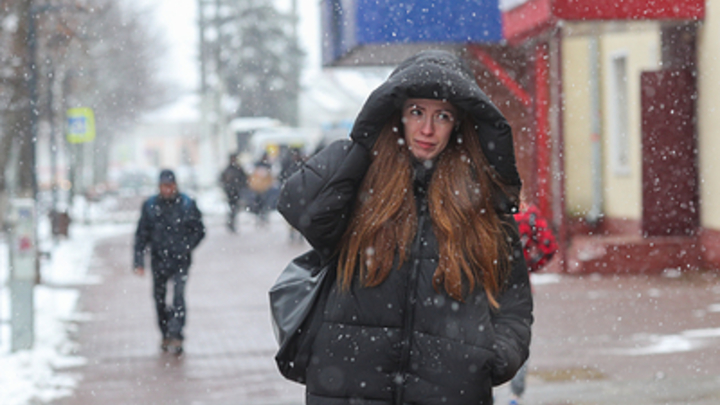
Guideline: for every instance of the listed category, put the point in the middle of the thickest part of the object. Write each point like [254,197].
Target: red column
[542,130]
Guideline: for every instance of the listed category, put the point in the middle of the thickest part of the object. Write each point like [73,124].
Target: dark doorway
[669,168]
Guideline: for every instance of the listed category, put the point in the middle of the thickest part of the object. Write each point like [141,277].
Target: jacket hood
[442,75]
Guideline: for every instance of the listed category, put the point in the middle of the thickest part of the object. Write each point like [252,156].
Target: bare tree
[116,73]
[94,53]
[15,107]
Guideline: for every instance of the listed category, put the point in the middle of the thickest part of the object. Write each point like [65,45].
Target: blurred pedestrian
[171,227]
[539,246]
[234,183]
[261,182]
[432,303]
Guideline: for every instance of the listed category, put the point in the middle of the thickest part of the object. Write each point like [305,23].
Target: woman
[432,303]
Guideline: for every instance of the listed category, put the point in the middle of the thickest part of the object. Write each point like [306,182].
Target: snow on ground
[647,344]
[28,376]
[544,278]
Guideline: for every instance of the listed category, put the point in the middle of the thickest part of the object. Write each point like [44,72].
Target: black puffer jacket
[171,228]
[402,342]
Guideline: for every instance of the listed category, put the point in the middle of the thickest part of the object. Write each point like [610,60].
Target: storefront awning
[525,18]
[384,32]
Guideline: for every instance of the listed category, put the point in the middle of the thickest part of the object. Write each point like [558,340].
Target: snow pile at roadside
[31,375]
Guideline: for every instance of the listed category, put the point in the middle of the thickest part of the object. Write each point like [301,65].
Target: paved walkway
[641,340]
[229,343]
[597,340]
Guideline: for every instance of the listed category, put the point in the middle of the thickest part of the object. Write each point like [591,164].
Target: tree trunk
[19,120]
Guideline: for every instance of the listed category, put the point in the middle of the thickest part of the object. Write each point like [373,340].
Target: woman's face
[428,125]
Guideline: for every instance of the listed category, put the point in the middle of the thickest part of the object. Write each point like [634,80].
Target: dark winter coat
[403,342]
[234,181]
[171,228]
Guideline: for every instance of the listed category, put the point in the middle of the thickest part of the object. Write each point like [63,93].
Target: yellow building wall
[623,191]
[708,109]
[577,125]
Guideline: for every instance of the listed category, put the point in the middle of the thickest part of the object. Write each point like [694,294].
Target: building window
[619,116]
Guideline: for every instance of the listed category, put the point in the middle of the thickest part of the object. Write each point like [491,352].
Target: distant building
[154,145]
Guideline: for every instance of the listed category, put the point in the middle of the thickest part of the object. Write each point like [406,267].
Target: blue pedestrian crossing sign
[80,125]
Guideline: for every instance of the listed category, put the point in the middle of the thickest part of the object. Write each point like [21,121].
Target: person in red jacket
[539,246]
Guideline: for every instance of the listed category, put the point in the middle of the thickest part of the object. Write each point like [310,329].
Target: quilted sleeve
[317,199]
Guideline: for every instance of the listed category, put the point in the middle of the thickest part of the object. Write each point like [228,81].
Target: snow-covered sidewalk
[32,375]
[37,375]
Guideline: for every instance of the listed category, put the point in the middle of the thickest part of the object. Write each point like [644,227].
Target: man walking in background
[234,182]
[171,227]
[261,183]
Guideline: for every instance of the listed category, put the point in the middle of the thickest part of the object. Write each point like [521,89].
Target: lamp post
[22,218]
[23,250]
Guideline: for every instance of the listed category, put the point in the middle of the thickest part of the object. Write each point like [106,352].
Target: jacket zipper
[409,318]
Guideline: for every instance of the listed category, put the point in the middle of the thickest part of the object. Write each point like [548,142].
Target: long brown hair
[471,238]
